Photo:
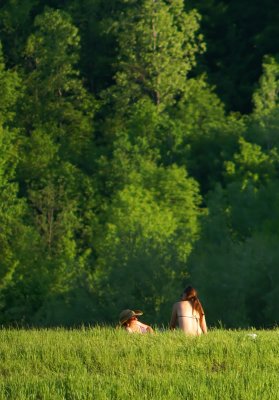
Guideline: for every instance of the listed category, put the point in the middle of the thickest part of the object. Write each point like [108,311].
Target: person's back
[188,319]
[188,314]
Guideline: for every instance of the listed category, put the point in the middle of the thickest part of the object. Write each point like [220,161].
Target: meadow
[105,363]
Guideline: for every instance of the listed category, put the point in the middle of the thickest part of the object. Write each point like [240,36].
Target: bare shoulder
[177,306]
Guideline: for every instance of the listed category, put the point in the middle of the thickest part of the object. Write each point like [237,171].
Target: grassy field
[104,363]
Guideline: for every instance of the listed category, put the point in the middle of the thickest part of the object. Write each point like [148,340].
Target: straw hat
[125,315]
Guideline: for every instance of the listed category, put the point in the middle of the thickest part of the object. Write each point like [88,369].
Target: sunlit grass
[103,363]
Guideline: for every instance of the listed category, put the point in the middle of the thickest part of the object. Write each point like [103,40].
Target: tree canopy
[138,154]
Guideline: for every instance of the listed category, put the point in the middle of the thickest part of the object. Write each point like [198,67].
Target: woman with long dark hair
[188,313]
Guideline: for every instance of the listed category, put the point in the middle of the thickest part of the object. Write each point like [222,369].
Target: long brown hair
[192,296]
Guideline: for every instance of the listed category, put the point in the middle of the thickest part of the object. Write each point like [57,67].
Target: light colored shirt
[138,327]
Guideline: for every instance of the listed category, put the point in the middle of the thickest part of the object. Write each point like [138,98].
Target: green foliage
[264,121]
[58,131]
[202,137]
[15,26]
[236,258]
[151,225]
[238,35]
[117,202]
[242,274]
[251,164]
[10,91]
[55,96]
[55,118]
[266,98]
[11,208]
[157,44]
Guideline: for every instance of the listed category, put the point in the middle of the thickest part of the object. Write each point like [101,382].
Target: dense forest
[139,153]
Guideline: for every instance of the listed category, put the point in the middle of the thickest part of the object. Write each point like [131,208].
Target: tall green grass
[103,363]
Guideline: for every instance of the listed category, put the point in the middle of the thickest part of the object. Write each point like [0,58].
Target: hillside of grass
[106,363]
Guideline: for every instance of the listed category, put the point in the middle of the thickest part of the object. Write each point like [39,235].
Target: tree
[142,250]
[55,97]
[12,209]
[16,19]
[200,135]
[55,143]
[251,164]
[238,35]
[266,97]
[157,44]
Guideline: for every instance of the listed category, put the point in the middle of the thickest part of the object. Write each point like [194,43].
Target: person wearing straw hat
[128,319]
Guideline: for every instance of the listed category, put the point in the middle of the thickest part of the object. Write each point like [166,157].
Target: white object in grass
[252,335]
